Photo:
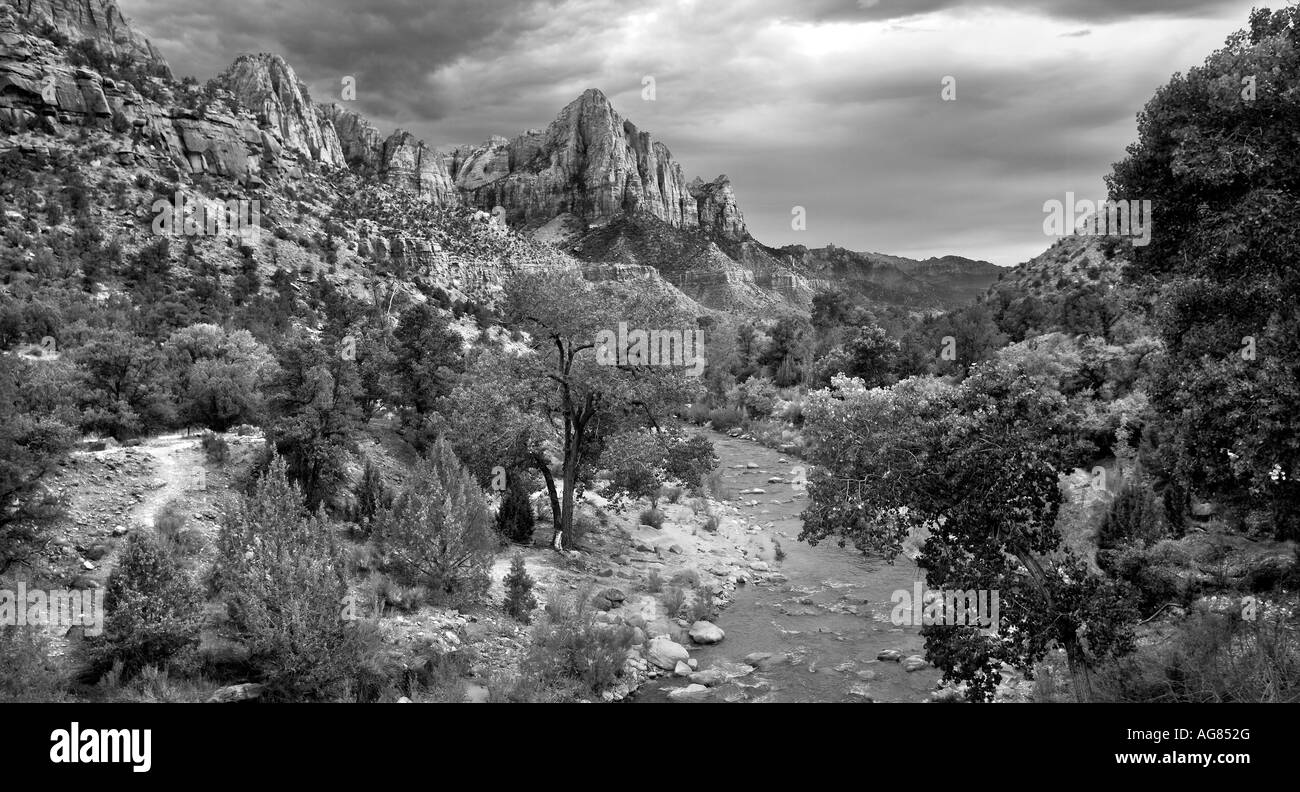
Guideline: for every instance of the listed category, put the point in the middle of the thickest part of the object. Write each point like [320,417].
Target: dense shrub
[28,672]
[702,608]
[438,532]
[686,578]
[1213,657]
[282,577]
[32,443]
[653,518]
[570,645]
[725,418]
[152,609]
[1135,516]
[373,496]
[515,521]
[215,448]
[1154,582]
[689,459]
[674,598]
[519,601]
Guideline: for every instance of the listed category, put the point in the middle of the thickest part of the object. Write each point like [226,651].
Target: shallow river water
[823,627]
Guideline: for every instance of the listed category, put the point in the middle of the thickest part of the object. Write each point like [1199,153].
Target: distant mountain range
[591,182]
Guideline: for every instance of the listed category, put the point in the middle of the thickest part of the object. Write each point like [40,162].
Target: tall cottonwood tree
[552,407]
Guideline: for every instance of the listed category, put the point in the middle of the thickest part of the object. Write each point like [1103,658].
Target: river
[825,625]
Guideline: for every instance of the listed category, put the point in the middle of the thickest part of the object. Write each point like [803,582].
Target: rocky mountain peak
[100,21]
[268,86]
[593,164]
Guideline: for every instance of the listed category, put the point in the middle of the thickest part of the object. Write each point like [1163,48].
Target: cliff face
[362,145]
[407,163]
[98,20]
[595,165]
[40,90]
[268,86]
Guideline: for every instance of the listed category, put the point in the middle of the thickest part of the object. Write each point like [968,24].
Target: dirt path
[178,469]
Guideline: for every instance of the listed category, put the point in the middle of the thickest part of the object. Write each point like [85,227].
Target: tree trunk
[1076,661]
[1080,674]
[566,503]
[540,463]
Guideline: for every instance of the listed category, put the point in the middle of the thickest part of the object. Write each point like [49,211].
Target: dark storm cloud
[1078,10]
[390,46]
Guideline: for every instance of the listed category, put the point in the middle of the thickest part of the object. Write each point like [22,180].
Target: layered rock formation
[362,145]
[595,165]
[268,86]
[97,20]
[407,163]
[266,123]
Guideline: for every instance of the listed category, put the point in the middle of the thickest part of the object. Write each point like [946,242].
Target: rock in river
[705,632]
[665,653]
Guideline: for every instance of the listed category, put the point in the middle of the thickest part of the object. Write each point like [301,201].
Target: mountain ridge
[586,182]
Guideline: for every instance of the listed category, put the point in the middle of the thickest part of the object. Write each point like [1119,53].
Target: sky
[835,106]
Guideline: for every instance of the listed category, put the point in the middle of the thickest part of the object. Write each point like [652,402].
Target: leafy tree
[870,355]
[562,398]
[979,464]
[427,359]
[32,443]
[312,400]
[787,340]
[635,460]
[1223,176]
[756,396]
[128,385]
[221,375]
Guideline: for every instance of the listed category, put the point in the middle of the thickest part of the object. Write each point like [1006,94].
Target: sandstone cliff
[97,20]
[595,165]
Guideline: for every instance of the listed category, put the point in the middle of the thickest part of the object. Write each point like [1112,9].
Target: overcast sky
[832,105]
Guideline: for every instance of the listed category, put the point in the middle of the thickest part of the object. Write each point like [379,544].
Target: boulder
[892,655]
[711,677]
[665,653]
[705,632]
[914,663]
[681,669]
[691,691]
